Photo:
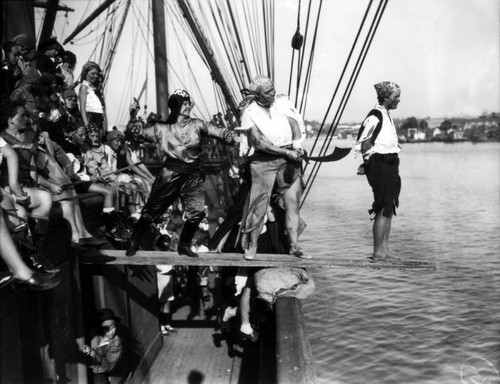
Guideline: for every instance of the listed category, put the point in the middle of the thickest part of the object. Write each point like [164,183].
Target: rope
[307,81]
[361,26]
[352,81]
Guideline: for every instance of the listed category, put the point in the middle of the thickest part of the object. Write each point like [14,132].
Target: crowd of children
[56,144]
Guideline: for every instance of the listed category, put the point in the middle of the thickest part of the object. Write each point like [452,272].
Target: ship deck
[202,355]
[118,257]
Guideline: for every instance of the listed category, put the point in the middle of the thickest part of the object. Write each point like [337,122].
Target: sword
[337,154]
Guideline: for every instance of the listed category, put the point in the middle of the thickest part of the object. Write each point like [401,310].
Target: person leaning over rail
[274,130]
[181,176]
[378,144]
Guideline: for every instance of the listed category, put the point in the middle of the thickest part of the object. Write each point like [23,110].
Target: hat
[11,47]
[68,92]
[114,134]
[69,57]
[175,103]
[27,45]
[31,75]
[92,128]
[50,44]
[106,314]
[385,89]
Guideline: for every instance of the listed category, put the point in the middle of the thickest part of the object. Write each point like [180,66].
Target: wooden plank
[293,351]
[113,256]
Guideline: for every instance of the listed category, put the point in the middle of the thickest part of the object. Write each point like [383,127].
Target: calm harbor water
[396,326]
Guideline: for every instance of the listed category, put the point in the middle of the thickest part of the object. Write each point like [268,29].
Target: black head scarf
[175,104]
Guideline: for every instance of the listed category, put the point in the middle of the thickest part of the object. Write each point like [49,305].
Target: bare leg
[108,193]
[14,213]
[9,253]
[245,311]
[385,241]
[379,234]
[68,212]
[291,199]
[80,225]
[41,202]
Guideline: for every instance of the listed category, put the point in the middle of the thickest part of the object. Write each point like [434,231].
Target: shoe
[5,278]
[249,255]
[296,251]
[253,337]
[223,325]
[132,248]
[40,281]
[166,330]
[169,328]
[37,263]
[184,249]
[91,241]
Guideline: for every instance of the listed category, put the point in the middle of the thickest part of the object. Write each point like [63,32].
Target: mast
[209,56]
[160,51]
[48,21]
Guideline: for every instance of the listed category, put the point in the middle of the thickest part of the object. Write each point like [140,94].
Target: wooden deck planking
[189,356]
[113,256]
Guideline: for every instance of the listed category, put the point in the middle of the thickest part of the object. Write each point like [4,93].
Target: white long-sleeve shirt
[387,139]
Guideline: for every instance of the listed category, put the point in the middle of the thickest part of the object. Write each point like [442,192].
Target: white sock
[108,210]
[229,313]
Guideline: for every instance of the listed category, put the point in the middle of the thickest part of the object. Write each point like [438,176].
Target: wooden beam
[161,64]
[114,256]
[48,21]
[294,358]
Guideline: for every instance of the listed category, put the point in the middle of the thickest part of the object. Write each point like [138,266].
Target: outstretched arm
[222,133]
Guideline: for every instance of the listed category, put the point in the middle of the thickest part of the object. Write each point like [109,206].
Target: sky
[444,54]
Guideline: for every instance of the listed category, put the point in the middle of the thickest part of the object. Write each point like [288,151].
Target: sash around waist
[178,166]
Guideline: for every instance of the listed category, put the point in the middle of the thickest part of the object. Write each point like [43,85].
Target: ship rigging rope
[303,55]
[307,81]
[224,39]
[361,58]
[292,61]
[348,59]
[234,74]
[238,39]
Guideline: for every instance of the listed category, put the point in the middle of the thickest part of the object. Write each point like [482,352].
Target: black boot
[139,229]
[37,260]
[187,234]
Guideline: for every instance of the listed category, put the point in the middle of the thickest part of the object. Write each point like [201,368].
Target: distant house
[457,135]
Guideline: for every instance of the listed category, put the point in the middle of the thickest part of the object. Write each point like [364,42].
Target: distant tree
[445,126]
[408,123]
[423,125]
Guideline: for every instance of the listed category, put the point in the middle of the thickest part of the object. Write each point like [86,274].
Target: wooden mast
[209,56]
[160,52]
[48,21]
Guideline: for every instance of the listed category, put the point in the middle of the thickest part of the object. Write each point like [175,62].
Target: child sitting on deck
[105,353]
[96,160]
[75,145]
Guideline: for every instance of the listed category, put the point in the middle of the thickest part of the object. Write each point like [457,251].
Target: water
[392,326]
